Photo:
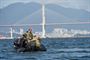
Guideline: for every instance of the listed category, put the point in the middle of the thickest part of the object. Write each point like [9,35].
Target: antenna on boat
[43,19]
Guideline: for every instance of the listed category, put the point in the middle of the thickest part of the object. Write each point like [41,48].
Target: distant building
[64,33]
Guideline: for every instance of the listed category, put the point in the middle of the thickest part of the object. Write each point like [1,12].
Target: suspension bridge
[43,23]
[22,25]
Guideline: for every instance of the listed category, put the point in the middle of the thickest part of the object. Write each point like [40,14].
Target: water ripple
[57,49]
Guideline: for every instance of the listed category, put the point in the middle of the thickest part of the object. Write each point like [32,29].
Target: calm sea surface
[57,49]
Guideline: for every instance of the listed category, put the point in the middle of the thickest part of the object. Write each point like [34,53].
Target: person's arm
[33,40]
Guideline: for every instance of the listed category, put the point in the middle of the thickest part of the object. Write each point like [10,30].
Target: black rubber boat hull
[42,48]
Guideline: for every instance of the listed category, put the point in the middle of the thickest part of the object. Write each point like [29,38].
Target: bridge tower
[11,33]
[43,19]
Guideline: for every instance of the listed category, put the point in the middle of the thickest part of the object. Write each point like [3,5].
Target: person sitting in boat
[30,33]
[37,41]
[31,40]
[28,36]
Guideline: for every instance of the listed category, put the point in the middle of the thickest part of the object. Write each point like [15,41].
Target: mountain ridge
[18,11]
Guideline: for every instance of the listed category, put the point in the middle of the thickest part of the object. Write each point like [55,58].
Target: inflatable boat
[21,46]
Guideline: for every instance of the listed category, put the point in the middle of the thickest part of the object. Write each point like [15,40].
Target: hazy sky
[77,4]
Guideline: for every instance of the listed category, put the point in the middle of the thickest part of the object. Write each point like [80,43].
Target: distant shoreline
[67,37]
[54,38]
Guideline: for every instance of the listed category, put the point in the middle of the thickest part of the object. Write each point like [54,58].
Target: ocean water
[57,49]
